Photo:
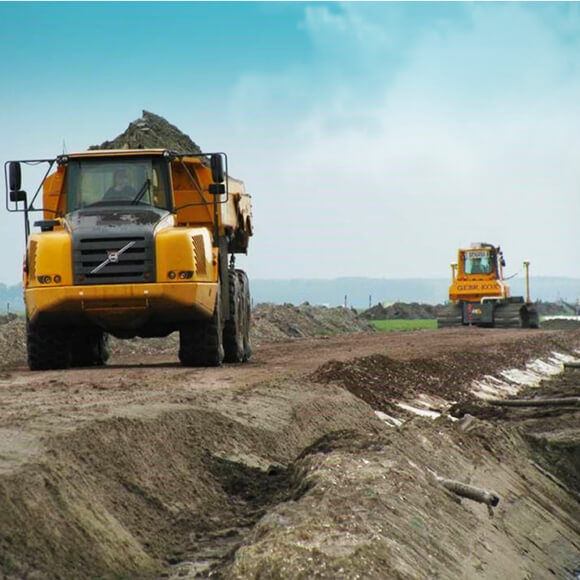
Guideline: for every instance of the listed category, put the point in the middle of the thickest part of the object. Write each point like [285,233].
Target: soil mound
[278,322]
[6,318]
[381,380]
[409,311]
[151,132]
[12,342]
[561,323]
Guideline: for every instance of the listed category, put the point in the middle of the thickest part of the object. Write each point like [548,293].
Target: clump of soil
[151,132]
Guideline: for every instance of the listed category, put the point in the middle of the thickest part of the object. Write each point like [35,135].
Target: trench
[261,493]
[166,491]
[553,454]
[252,492]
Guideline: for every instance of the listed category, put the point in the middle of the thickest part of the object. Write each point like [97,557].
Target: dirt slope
[281,468]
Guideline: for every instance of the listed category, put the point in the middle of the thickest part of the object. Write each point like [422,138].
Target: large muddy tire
[47,347]
[247,311]
[201,341]
[508,315]
[450,316]
[234,326]
[89,347]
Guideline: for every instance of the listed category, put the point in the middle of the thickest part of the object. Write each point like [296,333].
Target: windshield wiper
[145,187]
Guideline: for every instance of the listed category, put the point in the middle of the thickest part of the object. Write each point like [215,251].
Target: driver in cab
[121,189]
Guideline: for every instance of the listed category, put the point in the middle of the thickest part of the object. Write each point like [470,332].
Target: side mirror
[15,182]
[217,168]
[15,176]
[16,196]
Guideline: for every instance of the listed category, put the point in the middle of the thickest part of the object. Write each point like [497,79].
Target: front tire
[200,341]
[47,347]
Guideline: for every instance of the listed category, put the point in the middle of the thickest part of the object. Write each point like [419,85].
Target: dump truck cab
[134,243]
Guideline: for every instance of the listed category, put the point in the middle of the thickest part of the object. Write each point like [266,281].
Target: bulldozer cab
[478,262]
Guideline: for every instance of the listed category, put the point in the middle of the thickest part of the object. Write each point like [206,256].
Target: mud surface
[281,468]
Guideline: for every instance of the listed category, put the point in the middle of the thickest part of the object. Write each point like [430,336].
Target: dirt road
[282,467]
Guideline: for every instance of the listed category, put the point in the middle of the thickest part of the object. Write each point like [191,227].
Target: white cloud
[473,139]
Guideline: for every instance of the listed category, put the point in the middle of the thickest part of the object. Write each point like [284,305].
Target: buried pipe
[489,498]
[562,402]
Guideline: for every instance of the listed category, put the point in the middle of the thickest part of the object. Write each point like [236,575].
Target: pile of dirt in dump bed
[151,132]
[269,323]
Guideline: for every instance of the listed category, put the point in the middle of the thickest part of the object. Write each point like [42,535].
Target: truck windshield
[478,262]
[117,181]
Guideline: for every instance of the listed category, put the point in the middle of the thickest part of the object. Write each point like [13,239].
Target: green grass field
[397,325]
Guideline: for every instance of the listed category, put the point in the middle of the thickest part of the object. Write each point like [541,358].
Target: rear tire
[234,327]
[247,312]
[89,347]
[200,341]
[47,347]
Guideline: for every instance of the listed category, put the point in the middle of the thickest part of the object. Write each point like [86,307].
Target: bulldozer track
[508,316]
[450,317]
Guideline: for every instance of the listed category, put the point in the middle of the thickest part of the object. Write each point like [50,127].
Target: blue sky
[376,138]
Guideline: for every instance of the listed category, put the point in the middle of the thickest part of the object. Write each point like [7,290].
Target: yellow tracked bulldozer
[134,243]
[480,296]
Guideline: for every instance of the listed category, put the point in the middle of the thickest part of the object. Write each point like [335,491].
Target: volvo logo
[112,257]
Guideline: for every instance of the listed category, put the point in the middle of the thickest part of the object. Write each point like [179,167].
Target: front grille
[100,260]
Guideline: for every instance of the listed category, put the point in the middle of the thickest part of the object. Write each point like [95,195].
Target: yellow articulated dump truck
[480,296]
[134,243]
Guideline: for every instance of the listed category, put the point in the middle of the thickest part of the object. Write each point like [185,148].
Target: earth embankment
[282,467]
